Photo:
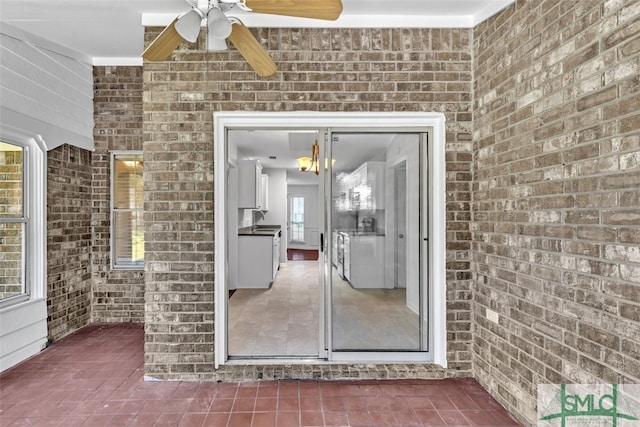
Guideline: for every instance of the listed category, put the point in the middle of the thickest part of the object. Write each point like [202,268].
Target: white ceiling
[278,149]
[110,32]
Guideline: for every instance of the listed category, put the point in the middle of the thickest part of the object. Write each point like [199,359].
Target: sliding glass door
[354,193]
[376,297]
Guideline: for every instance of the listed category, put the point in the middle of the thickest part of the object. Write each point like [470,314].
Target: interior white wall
[232,216]
[405,147]
[311,220]
[232,229]
[277,213]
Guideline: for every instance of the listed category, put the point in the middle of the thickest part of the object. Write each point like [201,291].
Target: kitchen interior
[273,206]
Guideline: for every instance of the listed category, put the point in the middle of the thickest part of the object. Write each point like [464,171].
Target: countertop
[360,233]
[259,231]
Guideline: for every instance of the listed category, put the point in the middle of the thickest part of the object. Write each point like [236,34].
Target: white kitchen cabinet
[249,184]
[362,189]
[264,192]
[368,186]
[343,186]
[366,261]
[258,260]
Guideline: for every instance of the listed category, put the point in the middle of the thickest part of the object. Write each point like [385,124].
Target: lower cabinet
[257,257]
[366,261]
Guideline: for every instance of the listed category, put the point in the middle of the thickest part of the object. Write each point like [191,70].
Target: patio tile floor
[94,377]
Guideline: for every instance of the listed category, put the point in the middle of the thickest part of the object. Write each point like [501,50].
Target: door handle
[321,242]
[401,236]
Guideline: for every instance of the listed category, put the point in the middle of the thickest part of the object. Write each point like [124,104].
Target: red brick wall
[68,240]
[320,70]
[118,295]
[556,200]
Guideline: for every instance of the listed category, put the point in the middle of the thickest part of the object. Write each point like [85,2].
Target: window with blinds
[13,222]
[127,227]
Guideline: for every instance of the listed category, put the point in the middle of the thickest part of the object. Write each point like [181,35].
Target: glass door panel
[376,291]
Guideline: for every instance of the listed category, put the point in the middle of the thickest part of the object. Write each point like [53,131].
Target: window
[127,227]
[13,222]
[297,219]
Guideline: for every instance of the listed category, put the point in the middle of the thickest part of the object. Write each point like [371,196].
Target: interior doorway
[336,296]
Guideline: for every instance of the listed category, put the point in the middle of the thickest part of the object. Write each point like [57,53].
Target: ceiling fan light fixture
[216,45]
[218,25]
[188,25]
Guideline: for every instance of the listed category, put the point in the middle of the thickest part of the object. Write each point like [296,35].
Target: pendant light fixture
[310,164]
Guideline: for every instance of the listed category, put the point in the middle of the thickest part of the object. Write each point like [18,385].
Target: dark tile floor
[94,377]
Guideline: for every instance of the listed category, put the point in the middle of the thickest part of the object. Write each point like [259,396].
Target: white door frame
[408,121]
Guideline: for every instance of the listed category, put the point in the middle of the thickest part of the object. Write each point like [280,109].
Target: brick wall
[81,286]
[556,200]
[68,240]
[320,70]
[118,295]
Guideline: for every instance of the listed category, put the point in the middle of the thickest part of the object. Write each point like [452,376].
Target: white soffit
[372,14]
[111,32]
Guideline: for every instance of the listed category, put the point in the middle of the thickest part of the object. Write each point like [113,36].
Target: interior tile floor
[279,321]
[283,320]
[94,377]
[372,319]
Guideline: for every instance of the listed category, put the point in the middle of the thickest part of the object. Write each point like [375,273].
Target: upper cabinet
[368,186]
[264,192]
[251,186]
[363,189]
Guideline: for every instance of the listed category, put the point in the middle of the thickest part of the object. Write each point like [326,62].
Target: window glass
[297,219]
[12,221]
[127,201]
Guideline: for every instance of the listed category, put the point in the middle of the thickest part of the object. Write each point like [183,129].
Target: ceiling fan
[220,27]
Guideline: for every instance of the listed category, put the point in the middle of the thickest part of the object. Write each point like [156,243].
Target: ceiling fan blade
[163,46]
[318,9]
[251,50]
